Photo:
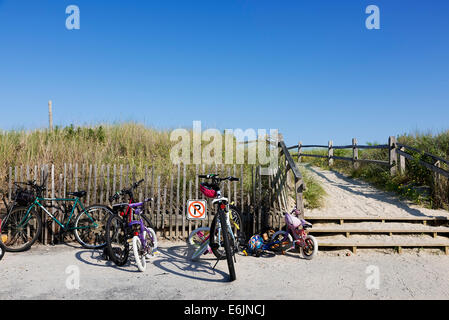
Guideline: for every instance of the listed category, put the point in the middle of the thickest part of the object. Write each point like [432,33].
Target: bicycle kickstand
[218,260]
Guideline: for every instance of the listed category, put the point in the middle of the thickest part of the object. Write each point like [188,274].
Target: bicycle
[222,237]
[121,229]
[297,229]
[259,245]
[22,225]
[198,240]
[144,240]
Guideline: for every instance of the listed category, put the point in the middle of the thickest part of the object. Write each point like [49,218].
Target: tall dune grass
[124,143]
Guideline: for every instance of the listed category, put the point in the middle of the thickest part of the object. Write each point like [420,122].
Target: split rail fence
[397,155]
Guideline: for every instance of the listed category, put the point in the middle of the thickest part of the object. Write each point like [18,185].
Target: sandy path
[353,197]
[41,274]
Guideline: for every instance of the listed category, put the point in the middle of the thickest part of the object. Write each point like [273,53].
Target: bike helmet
[208,190]
[255,243]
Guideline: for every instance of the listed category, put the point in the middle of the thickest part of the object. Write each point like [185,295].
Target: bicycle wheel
[153,238]
[2,250]
[310,248]
[139,254]
[20,229]
[151,243]
[198,242]
[149,225]
[285,239]
[227,245]
[90,226]
[117,236]
[217,244]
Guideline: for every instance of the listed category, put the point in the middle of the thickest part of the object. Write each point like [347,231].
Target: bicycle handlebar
[32,184]
[128,191]
[215,177]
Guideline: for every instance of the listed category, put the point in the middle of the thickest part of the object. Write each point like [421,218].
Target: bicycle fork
[228,226]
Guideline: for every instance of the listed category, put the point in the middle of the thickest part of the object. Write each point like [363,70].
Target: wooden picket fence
[170,192]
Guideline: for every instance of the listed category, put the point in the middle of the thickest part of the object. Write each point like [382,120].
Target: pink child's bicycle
[297,230]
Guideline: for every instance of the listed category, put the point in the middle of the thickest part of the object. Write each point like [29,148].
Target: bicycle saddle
[77,194]
[307,225]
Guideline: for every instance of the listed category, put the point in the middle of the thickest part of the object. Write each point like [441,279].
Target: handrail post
[330,153]
[299,182]
[436,175]
[299,151]
[355,154]
[392,155]
[402,161]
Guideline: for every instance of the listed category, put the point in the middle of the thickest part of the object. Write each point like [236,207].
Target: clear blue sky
[309,68]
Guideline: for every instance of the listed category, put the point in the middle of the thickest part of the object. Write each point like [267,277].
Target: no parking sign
[196,209]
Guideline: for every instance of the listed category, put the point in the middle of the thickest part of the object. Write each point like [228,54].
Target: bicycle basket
[24,197]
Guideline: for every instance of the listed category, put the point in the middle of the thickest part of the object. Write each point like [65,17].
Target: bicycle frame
[139,222]
[65,226]
[299,235]
[228,219]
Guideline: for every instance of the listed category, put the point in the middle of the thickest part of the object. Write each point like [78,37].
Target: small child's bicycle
[121,229]
[297,230]
[258,245]
[144,240]
[198,242]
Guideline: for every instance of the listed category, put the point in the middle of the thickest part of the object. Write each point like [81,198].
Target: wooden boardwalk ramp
[358,215]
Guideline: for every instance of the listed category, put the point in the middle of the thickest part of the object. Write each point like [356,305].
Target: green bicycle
[22,224]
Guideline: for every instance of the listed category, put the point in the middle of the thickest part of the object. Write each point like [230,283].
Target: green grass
[314,194]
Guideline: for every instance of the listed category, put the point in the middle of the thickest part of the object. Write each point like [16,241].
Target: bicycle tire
[227,245]
[2,250]
[8,225]
[220,254]
[83,238]
[311,249]
[140,258]
[199,248]
[284,236]
[117,244]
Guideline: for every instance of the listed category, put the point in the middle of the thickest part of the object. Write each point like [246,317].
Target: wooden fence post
[355,154]
[330,153]
[299,151]
[50,116]
[402,162]
[392,155]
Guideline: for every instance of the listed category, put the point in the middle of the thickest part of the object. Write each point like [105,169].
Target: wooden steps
[379,228]
[342,219]
[398,242]
[381,232]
